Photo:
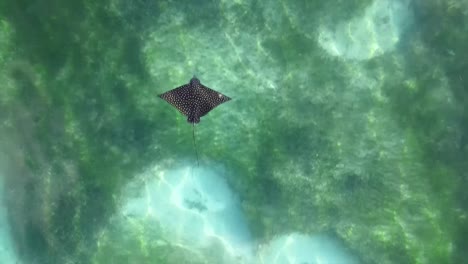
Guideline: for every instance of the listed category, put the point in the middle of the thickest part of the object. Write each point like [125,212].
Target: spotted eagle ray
[194,100]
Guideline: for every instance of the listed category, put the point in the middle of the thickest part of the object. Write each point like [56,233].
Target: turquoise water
[345,142]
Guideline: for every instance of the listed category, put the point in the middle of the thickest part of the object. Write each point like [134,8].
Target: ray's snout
[194,82]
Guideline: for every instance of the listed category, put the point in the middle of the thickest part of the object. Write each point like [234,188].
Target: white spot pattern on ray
[194,99]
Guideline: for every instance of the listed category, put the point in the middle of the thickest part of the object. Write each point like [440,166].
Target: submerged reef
[365,144]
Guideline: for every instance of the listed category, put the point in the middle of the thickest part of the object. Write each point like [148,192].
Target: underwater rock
[298,248]
[372,34]
[196,209]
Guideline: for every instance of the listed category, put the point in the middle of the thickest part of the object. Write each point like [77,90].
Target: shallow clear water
[345,140]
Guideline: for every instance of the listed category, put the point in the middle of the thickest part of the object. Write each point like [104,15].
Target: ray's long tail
[195,144]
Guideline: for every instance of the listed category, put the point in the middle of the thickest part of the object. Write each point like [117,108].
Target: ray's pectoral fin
[179,98]
[211,99]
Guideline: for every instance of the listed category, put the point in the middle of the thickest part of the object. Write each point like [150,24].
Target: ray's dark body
[194,99]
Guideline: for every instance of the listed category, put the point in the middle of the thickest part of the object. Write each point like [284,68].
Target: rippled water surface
[345,140]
